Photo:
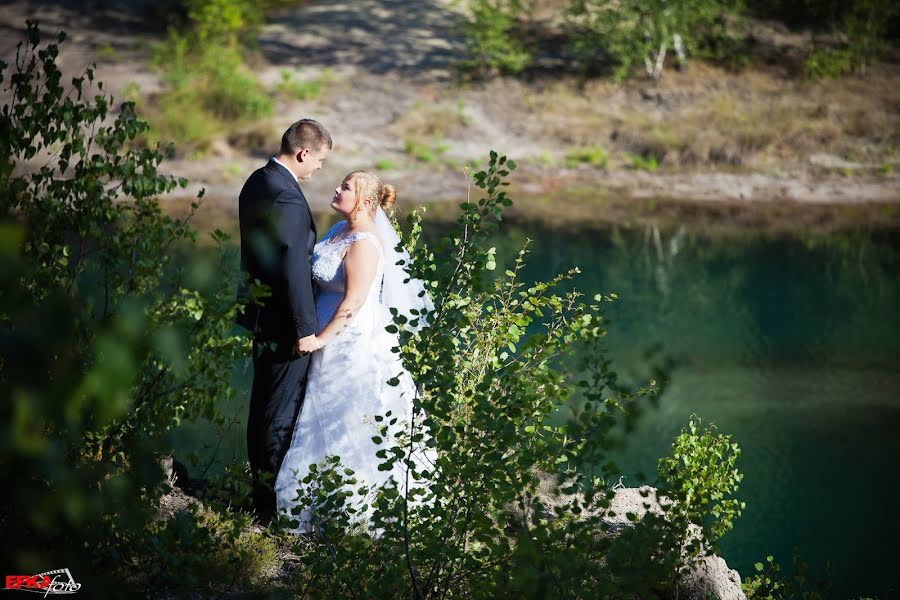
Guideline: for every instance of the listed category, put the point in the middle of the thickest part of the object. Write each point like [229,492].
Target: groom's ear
[302,154]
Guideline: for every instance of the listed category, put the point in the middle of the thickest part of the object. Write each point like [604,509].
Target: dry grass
[432,120]
[562,114]
[711,117]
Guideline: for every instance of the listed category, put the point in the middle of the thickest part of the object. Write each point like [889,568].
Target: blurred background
[728,168]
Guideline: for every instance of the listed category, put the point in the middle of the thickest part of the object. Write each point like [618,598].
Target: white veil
[398,289]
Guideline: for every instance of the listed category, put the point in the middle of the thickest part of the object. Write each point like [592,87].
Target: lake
[788,342]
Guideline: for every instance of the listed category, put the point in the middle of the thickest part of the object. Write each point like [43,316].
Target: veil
[398,289]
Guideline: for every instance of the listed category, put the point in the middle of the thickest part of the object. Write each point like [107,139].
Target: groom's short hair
[305,133]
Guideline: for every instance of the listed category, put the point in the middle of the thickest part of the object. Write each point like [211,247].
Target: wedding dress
[348,385]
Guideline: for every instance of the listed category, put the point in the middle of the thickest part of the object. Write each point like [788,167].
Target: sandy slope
[392,81]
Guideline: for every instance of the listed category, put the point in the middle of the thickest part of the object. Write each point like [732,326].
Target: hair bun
[388,197]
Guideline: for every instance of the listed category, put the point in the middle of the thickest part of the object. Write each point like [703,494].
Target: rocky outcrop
[707,577]
[711,577]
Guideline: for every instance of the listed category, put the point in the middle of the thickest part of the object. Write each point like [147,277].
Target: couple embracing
[322,357]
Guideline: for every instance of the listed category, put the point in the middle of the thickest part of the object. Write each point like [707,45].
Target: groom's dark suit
[277,240]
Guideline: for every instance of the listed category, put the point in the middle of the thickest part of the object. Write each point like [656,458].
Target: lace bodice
[328,271]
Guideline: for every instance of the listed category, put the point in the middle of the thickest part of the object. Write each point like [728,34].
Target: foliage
[701,478]
[731,47]
[639,32]
[230,21]
[600,34]
[860,30]
[303,90]
[108,340]
[644,163]
[199,548]
[769,583]
[208,86]
[822,63]
[591,155]
[426,152]
[492,45]
[696,479]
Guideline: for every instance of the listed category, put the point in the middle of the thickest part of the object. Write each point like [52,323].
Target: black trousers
[279,382]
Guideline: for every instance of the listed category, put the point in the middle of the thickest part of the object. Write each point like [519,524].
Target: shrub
[303,90]
[769,583]
[108,342]
[639,32]
[644,163]
[426,152]
[591,155]
[860,30]
[208,85]
[492,45]
[700,477]
[199,548]
[823,63]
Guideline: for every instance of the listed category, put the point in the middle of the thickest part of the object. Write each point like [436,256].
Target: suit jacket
[277,240]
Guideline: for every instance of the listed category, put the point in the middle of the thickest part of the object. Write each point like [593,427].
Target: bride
[358,279]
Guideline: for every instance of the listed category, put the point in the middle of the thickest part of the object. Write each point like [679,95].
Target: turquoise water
[790,344]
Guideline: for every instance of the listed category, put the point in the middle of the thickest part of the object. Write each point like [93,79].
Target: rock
[711,575]
[173,502]
[175,472]
[707,574]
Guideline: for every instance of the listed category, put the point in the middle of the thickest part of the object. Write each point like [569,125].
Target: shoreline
[604,209]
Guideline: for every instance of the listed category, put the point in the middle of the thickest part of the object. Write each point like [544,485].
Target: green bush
[824,63]
[590,155]
[198,548]
[208,86]
[492,45]
[634,32]
[860,31]
[769,583]
[109,342]
[428,152]
[230,21]
[303,90]
[644,163]
[733,50]
[701,478]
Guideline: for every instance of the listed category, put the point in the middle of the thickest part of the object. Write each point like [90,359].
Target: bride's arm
[360,264]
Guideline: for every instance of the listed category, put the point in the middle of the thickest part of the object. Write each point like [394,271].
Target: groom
[277,240]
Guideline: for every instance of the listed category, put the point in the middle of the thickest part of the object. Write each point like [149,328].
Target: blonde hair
[370,187]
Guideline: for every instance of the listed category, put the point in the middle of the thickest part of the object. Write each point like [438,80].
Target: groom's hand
[306,345]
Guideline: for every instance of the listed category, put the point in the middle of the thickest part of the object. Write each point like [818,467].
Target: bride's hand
[307,345]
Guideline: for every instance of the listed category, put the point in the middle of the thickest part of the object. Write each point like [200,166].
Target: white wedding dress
[347,386]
